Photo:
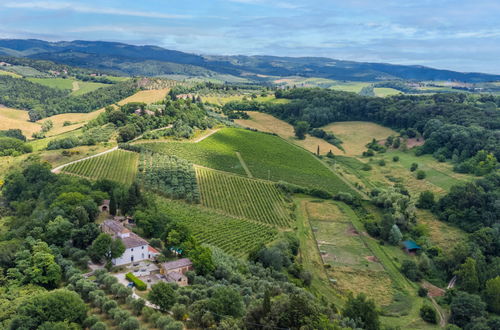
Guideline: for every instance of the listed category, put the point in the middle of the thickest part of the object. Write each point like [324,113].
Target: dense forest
[42,101]
[455,126]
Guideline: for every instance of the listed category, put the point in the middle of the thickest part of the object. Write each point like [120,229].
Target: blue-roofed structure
[410,246]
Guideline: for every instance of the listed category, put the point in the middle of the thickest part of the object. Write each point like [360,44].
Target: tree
[395,235]
[409,269]
[163,295]
[468,279]
[465,307]
[421,175]
[428,314]
[112,205]
[492,294]
[104,246]
[39,266]
[202,260]
[426,200]
[54,306]
[58,231]
[362,311]
[413,167]
[301,128]
[226,301]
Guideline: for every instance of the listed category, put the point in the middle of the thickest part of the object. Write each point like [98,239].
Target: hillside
[126,59]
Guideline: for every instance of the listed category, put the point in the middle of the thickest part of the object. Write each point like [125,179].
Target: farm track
[244,165]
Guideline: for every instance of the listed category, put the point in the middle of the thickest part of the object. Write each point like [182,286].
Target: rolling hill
[148,60]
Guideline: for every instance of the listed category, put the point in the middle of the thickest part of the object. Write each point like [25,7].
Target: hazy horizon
[454,35]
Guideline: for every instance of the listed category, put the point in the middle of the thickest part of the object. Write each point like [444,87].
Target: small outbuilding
[174,271]
[104,206]
[411,247]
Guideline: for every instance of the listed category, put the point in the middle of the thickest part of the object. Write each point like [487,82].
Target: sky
[461,35]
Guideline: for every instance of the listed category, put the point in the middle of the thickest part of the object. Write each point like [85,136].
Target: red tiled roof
[153,250]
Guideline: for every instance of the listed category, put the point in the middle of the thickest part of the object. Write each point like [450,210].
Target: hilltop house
[136,248]
[174,271]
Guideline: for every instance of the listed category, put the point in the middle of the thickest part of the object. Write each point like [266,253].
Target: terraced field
[235,236]
[239,196]
[119,165]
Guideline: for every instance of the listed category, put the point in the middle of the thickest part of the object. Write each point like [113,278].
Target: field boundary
[244,165]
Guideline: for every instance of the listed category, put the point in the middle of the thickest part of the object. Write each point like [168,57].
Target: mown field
[356,134]
[13,118]
[267,157]
[243,197]
[383,92]
[119,165]
[266,123]
[235,236]
[76,86]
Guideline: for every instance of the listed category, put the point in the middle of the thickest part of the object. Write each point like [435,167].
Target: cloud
[51,5]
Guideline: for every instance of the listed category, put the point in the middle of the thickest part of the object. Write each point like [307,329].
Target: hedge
[140,285]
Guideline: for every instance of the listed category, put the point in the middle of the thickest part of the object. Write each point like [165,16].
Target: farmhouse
[174,271]
[141,112]
[136,248]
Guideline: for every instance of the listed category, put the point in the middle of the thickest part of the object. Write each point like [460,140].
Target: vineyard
[119,165]
[243,197]
[235,236]
[268,157]
[169,176]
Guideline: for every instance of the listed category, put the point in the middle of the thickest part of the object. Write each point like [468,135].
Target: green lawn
[383,92]
[85,87]
[267,156]
[59,83]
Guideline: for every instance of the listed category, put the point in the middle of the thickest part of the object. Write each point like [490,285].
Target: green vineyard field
[268,157]
[235,236]
[239,196]
[119,165]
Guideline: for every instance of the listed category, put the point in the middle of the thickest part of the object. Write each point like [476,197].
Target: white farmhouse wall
[138,253]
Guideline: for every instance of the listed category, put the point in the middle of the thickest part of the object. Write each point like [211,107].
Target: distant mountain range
[124,59]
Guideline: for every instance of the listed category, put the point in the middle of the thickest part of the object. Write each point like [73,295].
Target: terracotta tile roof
[133,240]
[175,276]
[153,250]
[184,262]
[115,226]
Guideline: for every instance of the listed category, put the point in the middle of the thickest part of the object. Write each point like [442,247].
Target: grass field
[267,123]
[239,196]
[356,134]
[147,96]
[13,118]
[383,92]
[76,86]
[354,87]
[77,120]
[350,262]
[12,74]
[267,157]
[119,165]
[441,234]
[235,236]
[59,83]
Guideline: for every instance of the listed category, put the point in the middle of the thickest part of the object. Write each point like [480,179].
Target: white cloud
[51,5]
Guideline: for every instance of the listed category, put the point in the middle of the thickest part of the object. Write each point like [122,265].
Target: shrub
[413,167]
[366,167]
[381,162]
[428,314]
[99,326]
[422,292]
[140,285]
[421,175]
[395,159]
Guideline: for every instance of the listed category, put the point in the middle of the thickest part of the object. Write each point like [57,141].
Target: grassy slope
[267,123]
[356,134]
[267,156]
[13,118]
